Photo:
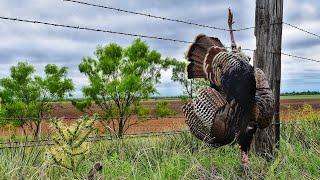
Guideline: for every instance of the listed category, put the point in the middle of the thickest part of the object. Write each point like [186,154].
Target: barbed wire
[128,135]
[303,30]
[300,57]
[286,54]
[78,117]
[181,21]
[49,142]
[115,118]
[93,29]
[155,16]
[136,35]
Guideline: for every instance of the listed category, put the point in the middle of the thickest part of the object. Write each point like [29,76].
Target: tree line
[293,93]
[119,78]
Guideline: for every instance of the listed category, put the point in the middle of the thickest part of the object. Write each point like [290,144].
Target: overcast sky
[40,44]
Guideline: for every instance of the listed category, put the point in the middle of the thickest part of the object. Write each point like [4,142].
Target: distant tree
[179,74]
[26,97]
[120,77]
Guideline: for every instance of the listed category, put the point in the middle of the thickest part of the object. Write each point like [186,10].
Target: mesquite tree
[179,74]
[26,98]
[120,77]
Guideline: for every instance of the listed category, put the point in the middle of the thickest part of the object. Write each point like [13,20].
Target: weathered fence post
[268,32]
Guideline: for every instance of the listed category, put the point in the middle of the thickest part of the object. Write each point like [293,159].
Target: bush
[141,111]
[162,110]
[82,104]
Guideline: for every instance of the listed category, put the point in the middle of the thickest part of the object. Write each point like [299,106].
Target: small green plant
[162,109]
[141,110]
[82,104]
[70,147]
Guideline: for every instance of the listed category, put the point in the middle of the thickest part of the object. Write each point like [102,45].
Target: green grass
[302,97]
[177,157]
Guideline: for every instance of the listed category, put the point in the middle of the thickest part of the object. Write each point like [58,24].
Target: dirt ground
[66,110]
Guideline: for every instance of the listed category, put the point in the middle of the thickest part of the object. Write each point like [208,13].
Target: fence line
[136,35]
[49,142]
[155,16]
[115,118]
[180,21]
[177,20]
[97,118]
[287,54]
[129,135]
[93,29]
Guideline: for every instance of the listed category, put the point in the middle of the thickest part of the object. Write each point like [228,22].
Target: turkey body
[233,107]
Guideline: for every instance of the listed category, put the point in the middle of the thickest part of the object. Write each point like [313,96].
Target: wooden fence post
[268,32]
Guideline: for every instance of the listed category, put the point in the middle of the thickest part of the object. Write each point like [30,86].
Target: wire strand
[155,16]
[74,117]
[49,142]
[303,30]
[94,29]
[286,54]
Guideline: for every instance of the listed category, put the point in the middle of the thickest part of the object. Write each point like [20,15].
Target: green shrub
[82,104]
[141,111]
[162,110]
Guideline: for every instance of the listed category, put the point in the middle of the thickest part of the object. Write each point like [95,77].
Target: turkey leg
[245,140]
[230,23]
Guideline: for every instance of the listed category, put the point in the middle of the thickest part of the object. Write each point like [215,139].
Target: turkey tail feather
[197,54]
[208,65]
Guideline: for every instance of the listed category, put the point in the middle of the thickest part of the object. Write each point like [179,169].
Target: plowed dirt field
[66,111]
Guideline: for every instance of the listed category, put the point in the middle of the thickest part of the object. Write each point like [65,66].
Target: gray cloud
[41,45]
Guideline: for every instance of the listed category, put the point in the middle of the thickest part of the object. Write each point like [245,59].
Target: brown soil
[315,103]
[66,110]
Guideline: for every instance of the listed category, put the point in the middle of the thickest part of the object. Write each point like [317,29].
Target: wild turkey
[238,102]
